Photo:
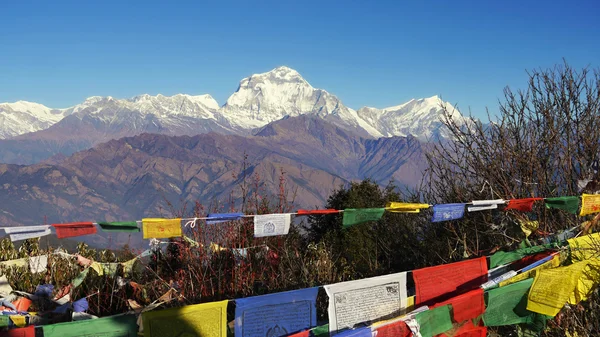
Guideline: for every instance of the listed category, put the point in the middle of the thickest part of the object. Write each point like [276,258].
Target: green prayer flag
[321,331]
[500,258]
[112,326]
[434,321]
[122,226]
[4,321]
[80,278]
[568,204]
[353,216]
[507,306]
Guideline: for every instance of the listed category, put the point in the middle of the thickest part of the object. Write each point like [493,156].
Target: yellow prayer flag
[554,263]
[405,207]
[552,288]
[216,248]
[97,267]
[590,277]
[410,303]
[128,266]
[590,203]
[528,226]
[161,228]
[18,320]
[585,247]
[18,263]
[206,320]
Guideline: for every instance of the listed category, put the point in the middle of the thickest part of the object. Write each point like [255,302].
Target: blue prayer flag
[360,332]
[214,218]
[278,314]
[80,305]
[446,212]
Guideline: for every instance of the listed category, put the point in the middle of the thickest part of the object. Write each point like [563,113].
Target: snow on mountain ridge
[421,118]
[22,117]
[260,99]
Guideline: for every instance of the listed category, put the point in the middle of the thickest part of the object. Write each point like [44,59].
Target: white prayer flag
[5,288]
[481,205]
[366,300]
[271,224]
[29,232]
[38,264]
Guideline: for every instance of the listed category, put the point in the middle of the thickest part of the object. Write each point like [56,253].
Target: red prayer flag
[466,306]
[317,211]
[396,329]
[466,330]
[304,333]
[439,283]
[67,230]
[20,332]
[522,205]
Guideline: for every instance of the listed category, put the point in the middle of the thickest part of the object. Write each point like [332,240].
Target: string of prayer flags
[206,320]
[27,232]
[72,229]
[305,333]
[590,203]
[317,211]
[435,321]
[438,283]
[482,205]
[215,218]
[521,205]
[120,325]
[552,288]
[502,257]
[506,305]
[119,226]
[271,224]
[354,216]
[278,314]
[466,306]
[19,332]
[405,207]
[366,300]
[447,212]
[569,204]
[158,228]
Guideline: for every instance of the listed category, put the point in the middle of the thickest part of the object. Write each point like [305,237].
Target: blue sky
[368,53]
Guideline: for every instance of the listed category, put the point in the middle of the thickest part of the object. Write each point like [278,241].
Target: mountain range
[124,159]
[32,133]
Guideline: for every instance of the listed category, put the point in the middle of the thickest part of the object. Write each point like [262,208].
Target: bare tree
[544,143]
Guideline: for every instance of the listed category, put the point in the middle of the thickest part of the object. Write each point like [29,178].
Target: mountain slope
[132,177]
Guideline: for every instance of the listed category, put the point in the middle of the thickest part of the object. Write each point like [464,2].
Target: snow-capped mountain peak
[267,97]
[421,118]
[22,117]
